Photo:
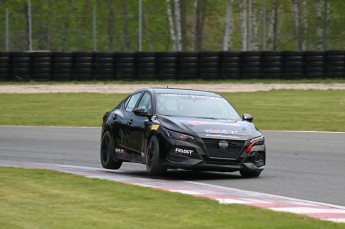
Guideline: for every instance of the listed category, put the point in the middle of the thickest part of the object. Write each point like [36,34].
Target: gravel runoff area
[127,88]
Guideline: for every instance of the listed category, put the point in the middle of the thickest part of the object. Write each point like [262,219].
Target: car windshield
[200,106]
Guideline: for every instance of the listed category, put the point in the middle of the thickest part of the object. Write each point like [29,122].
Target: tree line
[172,25]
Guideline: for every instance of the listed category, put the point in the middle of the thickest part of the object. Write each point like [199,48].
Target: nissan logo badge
[223,144]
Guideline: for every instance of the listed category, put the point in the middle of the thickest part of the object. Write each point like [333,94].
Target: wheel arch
[160,138]
[104,130]
[147,140]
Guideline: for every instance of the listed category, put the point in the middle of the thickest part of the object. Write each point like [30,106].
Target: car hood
[210,128]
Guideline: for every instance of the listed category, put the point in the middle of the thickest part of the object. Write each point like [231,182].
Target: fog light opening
[258,156]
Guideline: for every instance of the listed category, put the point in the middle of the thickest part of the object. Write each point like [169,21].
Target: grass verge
[272,110]
[47,199]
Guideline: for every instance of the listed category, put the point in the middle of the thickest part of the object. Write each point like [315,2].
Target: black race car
[181,129]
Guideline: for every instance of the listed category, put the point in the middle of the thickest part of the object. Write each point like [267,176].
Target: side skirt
[129,156]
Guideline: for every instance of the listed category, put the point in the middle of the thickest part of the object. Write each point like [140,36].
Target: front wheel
[153,165]
[107,149]
[247,173]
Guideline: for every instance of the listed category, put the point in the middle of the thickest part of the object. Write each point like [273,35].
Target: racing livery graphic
[181,129]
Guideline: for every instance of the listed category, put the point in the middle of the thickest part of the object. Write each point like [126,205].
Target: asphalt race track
[303,165]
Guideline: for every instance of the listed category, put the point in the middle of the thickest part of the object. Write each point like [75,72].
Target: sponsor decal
[197,123]
[222,136]
[220,131]
[118,150]
[174,95]
[154,127]
[184,152]
[189,96]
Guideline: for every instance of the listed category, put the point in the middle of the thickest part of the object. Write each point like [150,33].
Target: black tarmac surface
[304,165]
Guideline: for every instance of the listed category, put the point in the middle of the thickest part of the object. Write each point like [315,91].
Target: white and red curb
[223,195]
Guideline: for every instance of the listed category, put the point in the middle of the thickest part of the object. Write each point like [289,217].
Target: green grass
[293,109]
[60,109]
[48,199]
[272,110]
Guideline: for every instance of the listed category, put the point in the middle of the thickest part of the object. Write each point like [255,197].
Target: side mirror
[142,111]
[247,117]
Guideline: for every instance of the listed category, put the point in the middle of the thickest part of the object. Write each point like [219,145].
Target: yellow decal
[154,127]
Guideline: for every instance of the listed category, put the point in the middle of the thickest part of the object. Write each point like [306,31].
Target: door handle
[114,116]
[130,122]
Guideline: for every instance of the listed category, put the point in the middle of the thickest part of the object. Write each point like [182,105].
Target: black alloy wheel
[153,165]
[107,150]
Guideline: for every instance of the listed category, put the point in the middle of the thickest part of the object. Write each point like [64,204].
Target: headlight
[258,141]
[176,135]
[255,141]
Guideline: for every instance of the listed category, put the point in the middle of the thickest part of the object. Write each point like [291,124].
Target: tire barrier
[20,66]
[125,66]
[187,65]
[314,65]
[85,66]
[62,66]
[145,65]
[272,65]
[335,64]
[104,66]
[41,66]
[230,65]
[5,67]
[208,68]
[293,65]
[166,63]
[251,65]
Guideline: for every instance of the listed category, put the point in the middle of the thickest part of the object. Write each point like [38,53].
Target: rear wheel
[153,164]
[107,150]
[246,173]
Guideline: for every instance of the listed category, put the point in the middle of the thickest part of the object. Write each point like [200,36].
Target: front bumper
[193,164]
[195,155]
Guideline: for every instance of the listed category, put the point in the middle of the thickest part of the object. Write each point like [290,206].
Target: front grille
[215,151]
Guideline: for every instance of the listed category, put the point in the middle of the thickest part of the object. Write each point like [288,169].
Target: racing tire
[62,76]
[249,174]
[166,76]
[62,59]
[107,149]
[166,71]
[145,59]
[152,158]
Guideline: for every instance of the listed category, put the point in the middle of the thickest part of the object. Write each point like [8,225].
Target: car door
[118,119]
[137,125]
[121,119]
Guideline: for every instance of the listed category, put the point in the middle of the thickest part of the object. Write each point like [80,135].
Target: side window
[123,103]
[145,102]
[130,104]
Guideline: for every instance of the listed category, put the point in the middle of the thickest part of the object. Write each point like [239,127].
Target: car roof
[179,91]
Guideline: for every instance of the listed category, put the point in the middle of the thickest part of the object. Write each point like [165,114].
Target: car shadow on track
[198,175]
[186,175]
